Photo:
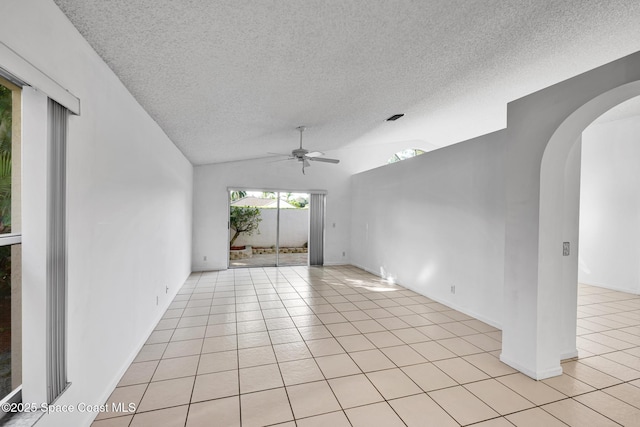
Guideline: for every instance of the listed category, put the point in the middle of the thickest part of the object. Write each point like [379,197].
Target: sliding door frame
[278,192]
[13,240]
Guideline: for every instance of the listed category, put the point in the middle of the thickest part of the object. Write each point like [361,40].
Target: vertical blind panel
[56,251]
[277,229]
[316,229]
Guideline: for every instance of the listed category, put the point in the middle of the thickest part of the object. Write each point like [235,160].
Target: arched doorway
[559,207]
[540,304]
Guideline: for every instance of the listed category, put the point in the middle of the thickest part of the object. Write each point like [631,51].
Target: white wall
[610,205]
[294,229]
[129,213]
[357,158]
[542,128]
[436,221]
[568,289]
[211,208]
[211,183]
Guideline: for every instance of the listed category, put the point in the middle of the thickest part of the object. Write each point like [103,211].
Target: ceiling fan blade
[314,154]
[280,154]
[324,159]
[280,160]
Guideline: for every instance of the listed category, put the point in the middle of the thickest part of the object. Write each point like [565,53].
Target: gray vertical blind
[56,251]
[316,229]
[277,228]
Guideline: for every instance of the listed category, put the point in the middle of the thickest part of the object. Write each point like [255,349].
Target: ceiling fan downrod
[301,129]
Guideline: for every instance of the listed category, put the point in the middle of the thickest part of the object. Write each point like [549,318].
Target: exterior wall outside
[294,229]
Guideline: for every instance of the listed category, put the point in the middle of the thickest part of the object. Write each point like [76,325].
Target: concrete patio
[262,260]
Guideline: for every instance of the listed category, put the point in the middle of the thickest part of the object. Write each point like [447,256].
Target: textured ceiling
[230,80]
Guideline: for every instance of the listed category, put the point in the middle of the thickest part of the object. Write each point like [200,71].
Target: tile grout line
[235,299]
[323,290]
[186,418]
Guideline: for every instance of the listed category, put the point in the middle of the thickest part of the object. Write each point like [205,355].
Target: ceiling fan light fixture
[395,117]
[303,155]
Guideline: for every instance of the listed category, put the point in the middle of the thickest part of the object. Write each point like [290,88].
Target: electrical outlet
[344,253]
[566,248]
[453,289]
[205,257]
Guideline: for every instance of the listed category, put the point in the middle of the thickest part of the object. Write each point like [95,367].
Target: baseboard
[612,287]
[449,304]
[569,355]
[197,268]
[375,273]
[463,310]
[112,385]
[536,375]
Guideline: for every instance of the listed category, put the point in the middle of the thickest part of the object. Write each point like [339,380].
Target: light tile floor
[336,346]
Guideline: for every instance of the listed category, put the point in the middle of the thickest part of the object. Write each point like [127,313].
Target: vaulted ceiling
[230,80]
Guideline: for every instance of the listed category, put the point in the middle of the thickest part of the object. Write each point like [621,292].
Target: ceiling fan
[303,155]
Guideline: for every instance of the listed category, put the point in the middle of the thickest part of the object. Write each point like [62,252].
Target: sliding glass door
[293,242]
[268,228]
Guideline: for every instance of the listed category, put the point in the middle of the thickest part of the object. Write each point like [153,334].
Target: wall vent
[394,117]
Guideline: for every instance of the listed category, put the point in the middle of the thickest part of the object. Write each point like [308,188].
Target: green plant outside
[237,195]
[5,251]
[5,159]
[244,220]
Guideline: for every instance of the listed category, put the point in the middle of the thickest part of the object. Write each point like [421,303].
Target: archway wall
[542,128]
[570,232]
[610,205]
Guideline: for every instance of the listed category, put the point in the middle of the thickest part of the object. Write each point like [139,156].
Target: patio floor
[262,260]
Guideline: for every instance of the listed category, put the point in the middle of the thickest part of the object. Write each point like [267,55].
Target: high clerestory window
[405,154]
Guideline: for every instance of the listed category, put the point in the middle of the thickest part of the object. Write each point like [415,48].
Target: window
[43,301]
[405,154]
[10,240]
